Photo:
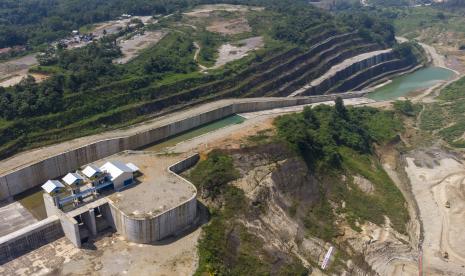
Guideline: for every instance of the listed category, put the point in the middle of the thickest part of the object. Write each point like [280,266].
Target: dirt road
[436,178]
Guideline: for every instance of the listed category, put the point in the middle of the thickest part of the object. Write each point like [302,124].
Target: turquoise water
[231,120]
[420,79]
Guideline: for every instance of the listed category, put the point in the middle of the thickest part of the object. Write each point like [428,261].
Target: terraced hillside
[88,93]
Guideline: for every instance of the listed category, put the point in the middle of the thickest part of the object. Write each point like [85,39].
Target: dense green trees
[40,21]
[318,132]
[29,99]
[369,26]
[211,175]
[35,22]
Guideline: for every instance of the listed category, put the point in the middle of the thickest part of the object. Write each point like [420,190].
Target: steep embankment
[282,200]
[357,72]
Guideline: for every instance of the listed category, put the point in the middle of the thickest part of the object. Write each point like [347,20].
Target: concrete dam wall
[157,227]
[24,178]
[29,238]
[152,229]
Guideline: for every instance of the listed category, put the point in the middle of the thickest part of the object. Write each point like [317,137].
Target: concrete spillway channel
[30,169]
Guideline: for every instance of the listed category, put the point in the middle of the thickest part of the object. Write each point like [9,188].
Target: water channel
[403,85]
[33,201]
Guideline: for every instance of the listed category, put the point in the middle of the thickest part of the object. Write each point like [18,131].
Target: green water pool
[420,79]
[231,120]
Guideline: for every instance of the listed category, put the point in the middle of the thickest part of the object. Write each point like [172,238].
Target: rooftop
[52,185]
[91,170]
[71,178]
[156,190]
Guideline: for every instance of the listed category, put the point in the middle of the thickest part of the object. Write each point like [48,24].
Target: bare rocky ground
[133,46]
[205,10]
[110,254]
[210,15]
[233,51]
[280,185]
[13,71]
[114,26]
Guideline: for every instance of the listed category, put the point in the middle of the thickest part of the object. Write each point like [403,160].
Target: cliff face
[288,215]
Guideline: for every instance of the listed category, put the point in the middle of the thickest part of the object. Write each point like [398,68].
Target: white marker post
[326,259]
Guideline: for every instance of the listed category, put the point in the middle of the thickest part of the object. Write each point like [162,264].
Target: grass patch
[433,117]
[387,199]
[212,175]
[453,91]
[447,117]
[411,22]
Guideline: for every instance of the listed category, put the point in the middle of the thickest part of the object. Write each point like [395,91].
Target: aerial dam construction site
[106,182]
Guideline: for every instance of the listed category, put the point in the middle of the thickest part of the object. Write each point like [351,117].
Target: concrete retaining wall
[327,84]
[374,73]
[158,227]
[51,168]
[29,238]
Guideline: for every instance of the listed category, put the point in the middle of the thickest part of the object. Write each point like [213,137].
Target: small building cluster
[75,187]
[77,38]
[125,16]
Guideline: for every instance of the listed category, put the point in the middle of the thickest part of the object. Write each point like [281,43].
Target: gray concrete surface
[162,205]
[14,216]
[29,238]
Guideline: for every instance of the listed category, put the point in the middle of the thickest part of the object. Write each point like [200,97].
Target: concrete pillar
[106,214]
[89,221]
[71,229]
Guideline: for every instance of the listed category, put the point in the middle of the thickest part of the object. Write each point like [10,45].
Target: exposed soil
[205,10]
[230,52]
[230,27]
[13,71]
[133,46]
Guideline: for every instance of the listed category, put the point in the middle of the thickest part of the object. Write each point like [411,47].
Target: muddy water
[33,201]
[420,79]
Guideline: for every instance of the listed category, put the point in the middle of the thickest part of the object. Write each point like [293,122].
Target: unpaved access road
[438,183]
